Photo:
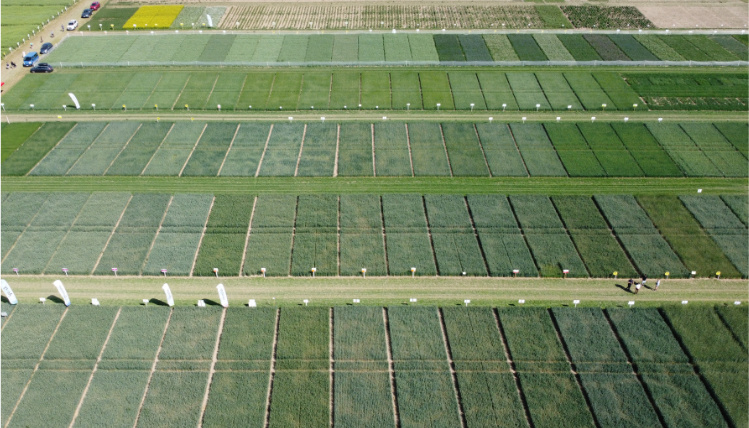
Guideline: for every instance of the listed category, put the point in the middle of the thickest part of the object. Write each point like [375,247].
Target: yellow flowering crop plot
[153,17]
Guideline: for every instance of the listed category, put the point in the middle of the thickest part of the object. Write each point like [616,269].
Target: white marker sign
[168,292]
[8,292]
[222,295]
[63,293]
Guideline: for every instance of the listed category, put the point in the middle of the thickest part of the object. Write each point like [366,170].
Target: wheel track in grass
[109,239]
[301,149]
[226,155]
[156,235]
[451,365]
[331,366]
[212,370]
[410,152]
[193,150]
[247,238]
[202,235]
[391,368]
[153,369]
[10,314]
[272,370]
[265,150]
[573,368]
[36,368]
[511,363]
[161,143]
[93,372]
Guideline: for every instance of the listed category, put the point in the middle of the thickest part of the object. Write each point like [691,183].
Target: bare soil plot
[712,16]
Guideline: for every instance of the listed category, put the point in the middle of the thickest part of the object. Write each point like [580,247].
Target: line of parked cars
[31,58]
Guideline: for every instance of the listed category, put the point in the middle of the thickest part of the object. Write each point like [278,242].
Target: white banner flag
[8,292]
[222,295]
[63,293]
[75,100]
[169,298]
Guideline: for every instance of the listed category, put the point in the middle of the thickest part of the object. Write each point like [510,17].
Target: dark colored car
[45,48]
[95,5]
[42,67]
[87,13]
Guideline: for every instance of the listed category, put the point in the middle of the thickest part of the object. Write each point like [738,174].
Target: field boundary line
[511,363]
[247,238]
[181,91]
[573,367]
[616,236]
[156,235]
[391,368]
[114,230]
[50,150]
[429,233]
[384,237]
[330,89]
[444,146]
[410,153]
[241,90]
[569,235]
[331,371]
[374,158]
[212,370]
[10,314]
[87,148]
[725,324]
[231,144]
[36,368]
[153,368]
[483,152]
[293,235]
[338,235]
[150,94]
[122,149]
[272,371]
[67,232]
[157,149]
[695,369]
[270,91]
[205,107]
[515,142]
[337,149]
[202,235]
[93,372]
[265,150]
[451,364]
[481,89]
[301,149]
[193,150]
[421,91]
[634,367]
[699,148]
[25,228]
[476,235]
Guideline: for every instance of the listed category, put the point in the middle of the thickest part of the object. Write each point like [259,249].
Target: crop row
[142,234]
[383,149]
[237,49]
[616,360]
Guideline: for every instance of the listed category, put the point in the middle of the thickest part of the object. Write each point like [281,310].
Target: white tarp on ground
[62,291]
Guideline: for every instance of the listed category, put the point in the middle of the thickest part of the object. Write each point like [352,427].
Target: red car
[95,5]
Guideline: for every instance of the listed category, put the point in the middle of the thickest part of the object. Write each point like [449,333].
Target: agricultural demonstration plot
[448,235]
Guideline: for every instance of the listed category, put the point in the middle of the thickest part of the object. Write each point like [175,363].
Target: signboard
[8,292]
[222,295]
[168,292]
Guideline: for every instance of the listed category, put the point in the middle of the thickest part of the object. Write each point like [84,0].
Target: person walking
[644,279]
[657,284]
[629,284]
[637,287]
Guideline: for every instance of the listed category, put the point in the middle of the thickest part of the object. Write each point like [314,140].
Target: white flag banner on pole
[8,292]
[169,298]
[75,100]
[62,291]
[222,295]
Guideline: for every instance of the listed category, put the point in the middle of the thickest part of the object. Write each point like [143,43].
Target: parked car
[87,13]
[42,67]
[45,48]
[95,5]
[30,59]
[72,25]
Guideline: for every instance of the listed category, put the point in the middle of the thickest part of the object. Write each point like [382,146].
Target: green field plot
[464,150]
[603,17]
[293,49]
[371,48]
[31,330]
[15,382]
[705,336]
[527,91]
[247,335]
[552,397]
[190,337]
[618,398]
[375,90]
[426,141]
[683,400]
[590,94]
[552,47]
[243,158]
[90,321]
[500,47]
[717,149]
[350,409]
[466,91]
[15,135]
[526,47]
[473,334]
[587,336]
[449,47]
[163,407]
[236,398]
[289,407]
[606,48]
[303,335]
[690,242]
[435,89]
[282,151]
[225,236]
[397,48]
[136,335]
[517,324]
[415,334]
[19,160]
[501,153]
[729,383]
[67,151]
[731,45]
[644,148]
[558,92]
[139,150]
[620,93]
[426,397]
[655,344]
[739,205]
[56,390]
[691,92]
[573,150]
[537,151]
[632,48]
[490,399]
[359,334]
[119,391]
[392,154]
[270,241]
[474,47]
[423,48]
[579,47]
[211,149]
[609,150]
[318,153]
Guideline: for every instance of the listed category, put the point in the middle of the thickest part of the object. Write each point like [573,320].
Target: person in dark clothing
[629,284]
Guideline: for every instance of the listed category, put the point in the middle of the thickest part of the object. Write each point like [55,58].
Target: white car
[72,25]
